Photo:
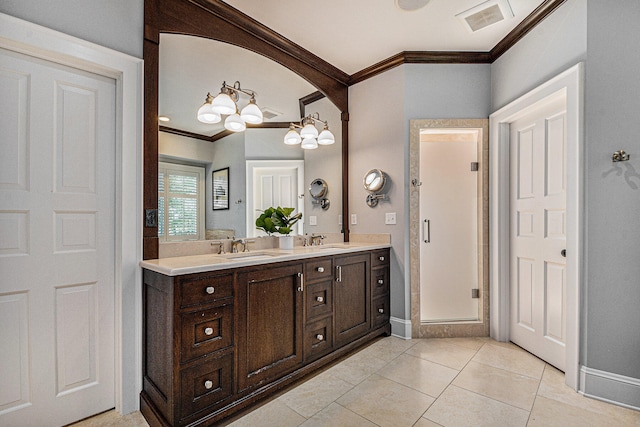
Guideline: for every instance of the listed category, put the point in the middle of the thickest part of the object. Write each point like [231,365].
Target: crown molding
[415,57]
[527,24]
[222,133]
[443,57]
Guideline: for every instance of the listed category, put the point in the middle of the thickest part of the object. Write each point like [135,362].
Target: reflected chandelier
[308,136]
[225,104]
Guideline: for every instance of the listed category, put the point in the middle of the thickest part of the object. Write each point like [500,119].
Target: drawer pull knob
[320,269]
[380,282]
[210,290]
[208,331]
[320,337]
[208,384]
[381,310]
[320,299]
[381,258]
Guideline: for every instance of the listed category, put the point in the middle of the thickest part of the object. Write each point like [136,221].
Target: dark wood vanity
[217,342]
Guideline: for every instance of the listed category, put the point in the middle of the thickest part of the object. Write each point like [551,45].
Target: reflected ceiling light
[308,136]
[226,104]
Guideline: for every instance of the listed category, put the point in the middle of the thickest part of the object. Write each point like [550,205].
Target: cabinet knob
[320,337]
[210,290]
[381,310]
[320,299]
[208,331]
[320,269]
[381,258]
[208,384]
[380,282]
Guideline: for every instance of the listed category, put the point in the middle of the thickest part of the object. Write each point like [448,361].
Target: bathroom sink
[246,256]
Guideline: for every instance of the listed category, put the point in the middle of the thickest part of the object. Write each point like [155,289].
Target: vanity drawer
[205,331]
[319,299]
[206,384]
[380,258]
[317,269]
[380,311]
[380,281]
[204,290]
[318,338]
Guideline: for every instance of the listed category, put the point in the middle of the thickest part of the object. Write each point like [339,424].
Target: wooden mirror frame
[218,21]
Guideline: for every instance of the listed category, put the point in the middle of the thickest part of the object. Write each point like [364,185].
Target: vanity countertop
[176,266]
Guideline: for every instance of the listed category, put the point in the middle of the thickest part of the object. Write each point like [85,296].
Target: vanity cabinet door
[352,297]
[270,332]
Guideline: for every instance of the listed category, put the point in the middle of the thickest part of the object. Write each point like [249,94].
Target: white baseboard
[610,387]
[400,328]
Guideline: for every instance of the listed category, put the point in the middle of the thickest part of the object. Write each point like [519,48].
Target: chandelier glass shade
[308,136]
[225,104]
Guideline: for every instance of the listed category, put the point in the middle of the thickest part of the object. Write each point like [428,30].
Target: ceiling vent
[485,14]
[270,114]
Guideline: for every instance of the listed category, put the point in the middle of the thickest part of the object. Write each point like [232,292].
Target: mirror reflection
[262,170]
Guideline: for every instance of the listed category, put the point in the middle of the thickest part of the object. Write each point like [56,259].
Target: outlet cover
[354,219]
[390,218]
[313,220]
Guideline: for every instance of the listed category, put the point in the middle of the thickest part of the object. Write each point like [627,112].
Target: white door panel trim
[30,39]
[569,84]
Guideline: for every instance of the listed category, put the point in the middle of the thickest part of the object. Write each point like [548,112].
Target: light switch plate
[339,219]
[354,219]
[313,220]
[390,218]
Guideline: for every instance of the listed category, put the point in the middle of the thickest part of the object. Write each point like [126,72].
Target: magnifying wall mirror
[374,182]
[318,190]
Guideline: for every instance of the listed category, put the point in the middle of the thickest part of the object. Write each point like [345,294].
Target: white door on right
[538,232]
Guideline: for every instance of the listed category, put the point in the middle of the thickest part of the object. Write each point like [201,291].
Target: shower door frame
[454,328]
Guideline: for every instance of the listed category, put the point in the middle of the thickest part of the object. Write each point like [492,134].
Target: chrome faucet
[317,239]
[235,243]
[220,246]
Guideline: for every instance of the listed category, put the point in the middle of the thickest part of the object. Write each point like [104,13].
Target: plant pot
[285,242]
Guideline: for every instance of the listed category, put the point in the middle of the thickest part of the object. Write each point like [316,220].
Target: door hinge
[474,166]
[475,293]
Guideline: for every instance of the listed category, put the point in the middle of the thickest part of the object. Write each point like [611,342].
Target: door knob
[563,253]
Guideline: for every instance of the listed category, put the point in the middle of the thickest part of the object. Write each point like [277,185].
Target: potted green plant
[279,220]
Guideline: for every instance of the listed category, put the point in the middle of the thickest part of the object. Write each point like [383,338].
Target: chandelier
[308,136]
[225,104]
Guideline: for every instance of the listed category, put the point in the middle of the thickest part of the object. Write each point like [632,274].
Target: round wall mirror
[374,180]
[318,190]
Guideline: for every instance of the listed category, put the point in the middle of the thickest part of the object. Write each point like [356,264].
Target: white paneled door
[57,227]
[272,184]
[538,232]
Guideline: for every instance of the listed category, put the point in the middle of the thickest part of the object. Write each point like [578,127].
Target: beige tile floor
[424,383]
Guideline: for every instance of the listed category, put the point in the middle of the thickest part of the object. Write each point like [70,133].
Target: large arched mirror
[185,59]
[259,168]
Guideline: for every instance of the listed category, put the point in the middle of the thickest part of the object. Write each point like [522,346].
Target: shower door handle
[426,230]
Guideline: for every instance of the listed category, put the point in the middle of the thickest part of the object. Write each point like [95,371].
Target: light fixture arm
[233,91]
[310,119]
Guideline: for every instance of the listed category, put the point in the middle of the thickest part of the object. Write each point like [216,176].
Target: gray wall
[380,109]
[324,162]
[229,153]
[611,285]
[612,340]
[116,24]
[553,46]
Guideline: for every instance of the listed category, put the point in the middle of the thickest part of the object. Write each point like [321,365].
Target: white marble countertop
[176,266]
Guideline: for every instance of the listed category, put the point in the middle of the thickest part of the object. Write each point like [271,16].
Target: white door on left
[57,242]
